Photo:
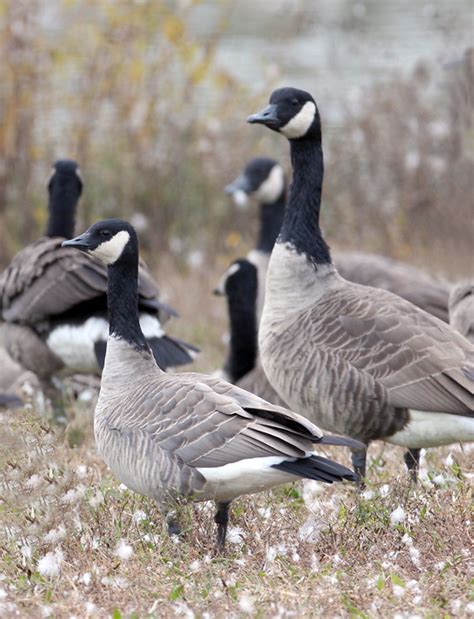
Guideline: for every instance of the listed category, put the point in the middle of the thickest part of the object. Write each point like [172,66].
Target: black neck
[301,221]
[62,212]
[271,219]
[122,299]
[243,335]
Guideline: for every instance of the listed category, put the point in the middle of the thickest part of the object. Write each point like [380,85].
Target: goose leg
[359,460]
[412,460]
[221,519]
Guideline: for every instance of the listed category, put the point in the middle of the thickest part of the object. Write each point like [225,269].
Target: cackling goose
[187,435]
[53,299]
[357,360]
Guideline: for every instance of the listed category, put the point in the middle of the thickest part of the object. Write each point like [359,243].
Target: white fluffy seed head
[123,550]
[298,126]
[397,516]
[110,251]
[272,187]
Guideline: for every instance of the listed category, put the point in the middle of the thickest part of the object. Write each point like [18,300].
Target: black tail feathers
[318,468]
[10,400]
[171,352]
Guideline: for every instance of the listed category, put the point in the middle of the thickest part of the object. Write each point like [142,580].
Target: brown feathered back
[417,286]
[45,280]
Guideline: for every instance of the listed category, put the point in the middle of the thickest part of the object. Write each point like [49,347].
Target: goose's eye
[106,234]
[294,102]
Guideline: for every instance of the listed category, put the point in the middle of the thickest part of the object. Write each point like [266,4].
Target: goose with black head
[354,359]
[187,435]
[53,299]
[263,180]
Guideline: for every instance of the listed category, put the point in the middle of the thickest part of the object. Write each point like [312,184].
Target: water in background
[335,47]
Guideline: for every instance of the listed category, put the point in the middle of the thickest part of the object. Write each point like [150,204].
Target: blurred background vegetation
[151,98]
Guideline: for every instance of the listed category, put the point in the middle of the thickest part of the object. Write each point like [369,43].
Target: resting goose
[263,179]
[357,360]
[187,435]
[243,367]
[461,308]
[53,299]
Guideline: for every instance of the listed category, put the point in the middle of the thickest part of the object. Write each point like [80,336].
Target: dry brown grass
[300,551]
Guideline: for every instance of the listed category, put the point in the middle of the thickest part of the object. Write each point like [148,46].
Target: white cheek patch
[111,250]
[272,187]
[299,124]
[53,172]
[240,199]
[220,288]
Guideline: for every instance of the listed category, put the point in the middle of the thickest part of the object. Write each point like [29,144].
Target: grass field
[74,543]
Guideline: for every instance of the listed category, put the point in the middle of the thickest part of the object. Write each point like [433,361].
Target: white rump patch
[244,477]
[111,250]
[272,186]
[299,124]
[433,430]
[74,344]
[150,326]
[222,374]
[220,288]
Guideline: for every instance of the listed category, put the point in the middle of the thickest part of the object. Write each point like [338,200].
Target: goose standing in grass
[242,367]
[175,436]
[53,299]
[461,308]
[264,179]
[357,360]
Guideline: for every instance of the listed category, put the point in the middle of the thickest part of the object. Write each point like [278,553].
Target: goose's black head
[65,177]
[64,189]
[110,240]
[239,281]
[291,112]
[262,178]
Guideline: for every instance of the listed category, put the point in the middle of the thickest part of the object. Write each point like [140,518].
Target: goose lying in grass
[357,360]
[53,299]
[186,436]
